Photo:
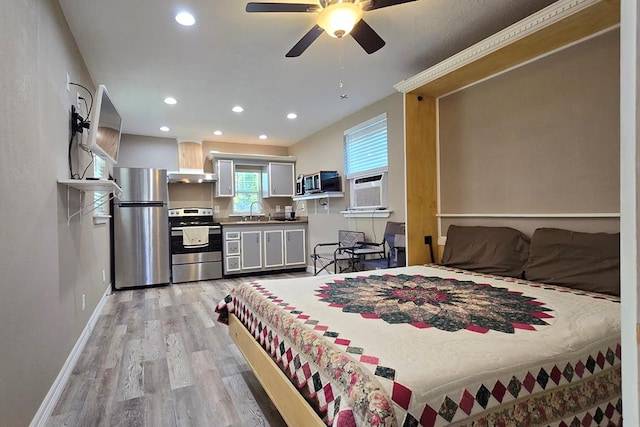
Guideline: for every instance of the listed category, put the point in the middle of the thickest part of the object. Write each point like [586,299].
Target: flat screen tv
[105,127]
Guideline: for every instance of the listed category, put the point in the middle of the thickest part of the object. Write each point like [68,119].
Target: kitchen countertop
[230,221]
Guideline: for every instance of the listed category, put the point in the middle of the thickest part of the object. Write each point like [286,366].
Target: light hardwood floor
[158,357]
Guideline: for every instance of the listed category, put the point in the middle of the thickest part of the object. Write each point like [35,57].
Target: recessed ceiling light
[292,116]
[263,136]
[170,100]
[185,18]
[217,132]
[165,129]
[237,109]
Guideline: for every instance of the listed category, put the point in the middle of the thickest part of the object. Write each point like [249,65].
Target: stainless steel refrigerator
[141,229]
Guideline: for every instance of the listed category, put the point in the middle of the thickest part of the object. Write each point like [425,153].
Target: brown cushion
[587,261]
[494,250]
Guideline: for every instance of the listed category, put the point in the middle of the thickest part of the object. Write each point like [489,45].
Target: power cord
[373,226]
[93,156]
[90,96]
[71,174]
[78,125]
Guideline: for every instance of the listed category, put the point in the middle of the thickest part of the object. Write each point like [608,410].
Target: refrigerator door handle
[141,204]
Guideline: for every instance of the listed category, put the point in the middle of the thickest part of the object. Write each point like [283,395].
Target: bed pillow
[586,261]
[494,250]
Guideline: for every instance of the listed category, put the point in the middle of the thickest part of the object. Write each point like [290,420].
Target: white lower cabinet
[273,249]
[253,248]
[295,247]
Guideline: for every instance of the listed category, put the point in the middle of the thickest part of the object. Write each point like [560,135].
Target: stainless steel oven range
[196,245]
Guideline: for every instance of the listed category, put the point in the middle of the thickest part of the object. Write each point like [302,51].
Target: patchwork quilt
[434,346]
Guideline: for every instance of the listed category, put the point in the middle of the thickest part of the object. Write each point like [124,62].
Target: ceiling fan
[337,17]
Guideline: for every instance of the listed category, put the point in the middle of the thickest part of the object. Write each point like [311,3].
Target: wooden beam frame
[421,176]
[559,25]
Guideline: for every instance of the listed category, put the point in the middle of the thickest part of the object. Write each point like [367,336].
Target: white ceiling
[231,57]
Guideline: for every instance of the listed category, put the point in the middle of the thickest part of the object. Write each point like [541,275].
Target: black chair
[392,248]
[343,257]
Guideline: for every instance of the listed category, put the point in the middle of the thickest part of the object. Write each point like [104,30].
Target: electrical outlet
[302,206]
[216,209]
[277,208]
[83,302]
[68,83]
[104,276]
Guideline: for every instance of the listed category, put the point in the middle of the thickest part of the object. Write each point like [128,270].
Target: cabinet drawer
[232,264]
[232,235]
[232,247]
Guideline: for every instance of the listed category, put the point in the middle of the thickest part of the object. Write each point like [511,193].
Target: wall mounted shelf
[104,186]
[322,199]
[325,195]
[213,155]
[366,213]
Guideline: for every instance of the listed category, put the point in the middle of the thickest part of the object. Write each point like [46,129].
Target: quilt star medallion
[442,303]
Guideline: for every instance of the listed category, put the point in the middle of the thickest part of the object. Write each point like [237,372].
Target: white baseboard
[51,399]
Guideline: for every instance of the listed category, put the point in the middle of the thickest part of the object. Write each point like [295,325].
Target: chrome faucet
[251,209]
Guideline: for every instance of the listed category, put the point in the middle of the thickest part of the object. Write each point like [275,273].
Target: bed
[432,346]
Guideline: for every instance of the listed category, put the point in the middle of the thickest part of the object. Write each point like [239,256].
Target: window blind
[366,148]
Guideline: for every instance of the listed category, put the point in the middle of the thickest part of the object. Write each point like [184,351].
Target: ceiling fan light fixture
[338,19]
[185,18]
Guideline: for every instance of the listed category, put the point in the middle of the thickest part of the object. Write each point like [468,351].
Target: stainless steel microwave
[322,181]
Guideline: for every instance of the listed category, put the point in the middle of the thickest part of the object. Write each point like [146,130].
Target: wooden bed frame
[562,23]
[292,406]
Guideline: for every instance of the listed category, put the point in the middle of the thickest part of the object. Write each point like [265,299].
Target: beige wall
[46,265]
[138,151]
[540,139]
[324,151]
[152,152]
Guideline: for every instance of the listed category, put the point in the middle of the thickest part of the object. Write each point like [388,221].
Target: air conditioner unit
[369,192]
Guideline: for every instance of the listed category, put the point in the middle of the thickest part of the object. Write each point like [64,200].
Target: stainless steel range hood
[187,176]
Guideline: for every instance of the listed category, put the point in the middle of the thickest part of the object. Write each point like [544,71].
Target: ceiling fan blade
[367,37]
[282,7]
[378,4]
[305,42]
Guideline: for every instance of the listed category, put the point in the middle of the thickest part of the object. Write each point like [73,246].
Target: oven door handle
[211,227]
[214,230]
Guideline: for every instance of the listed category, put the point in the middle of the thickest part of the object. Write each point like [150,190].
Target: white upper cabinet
[225,171]
[280,180]
[278,173]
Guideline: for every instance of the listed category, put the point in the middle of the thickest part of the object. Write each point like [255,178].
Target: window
[248,190]
[99,171]
[365,148]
